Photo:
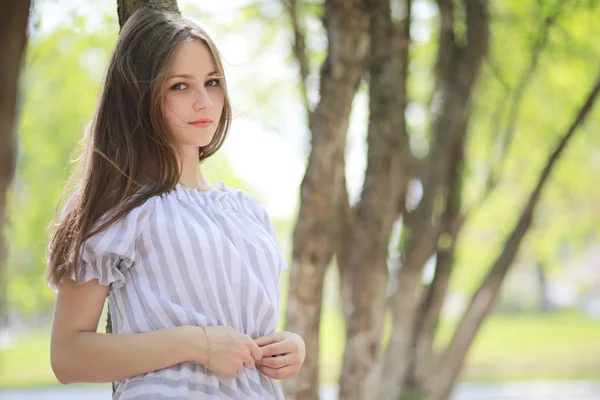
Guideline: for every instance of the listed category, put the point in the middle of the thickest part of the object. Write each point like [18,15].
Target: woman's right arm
[79,354]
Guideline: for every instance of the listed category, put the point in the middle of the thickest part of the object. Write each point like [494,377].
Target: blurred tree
[14,15]
[545,305]
[59,67]
[359,235]
[127,7]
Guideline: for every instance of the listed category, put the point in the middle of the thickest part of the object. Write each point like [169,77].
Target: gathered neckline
[224,197]
[220,185]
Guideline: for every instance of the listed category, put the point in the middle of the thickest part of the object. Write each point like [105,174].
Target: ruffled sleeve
[108,254]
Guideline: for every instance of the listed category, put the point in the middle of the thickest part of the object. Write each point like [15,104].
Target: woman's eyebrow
[189,76]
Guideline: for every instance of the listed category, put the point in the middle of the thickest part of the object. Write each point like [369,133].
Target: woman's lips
[202,123]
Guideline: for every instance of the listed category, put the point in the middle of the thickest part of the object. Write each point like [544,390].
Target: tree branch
[493,177]
[478,33]
[346,216]
[299,50]
[447,41]
[483,300]
[435,294]
[497,73]
[458,68]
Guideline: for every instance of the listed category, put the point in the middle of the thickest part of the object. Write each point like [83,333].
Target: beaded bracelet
[207,351]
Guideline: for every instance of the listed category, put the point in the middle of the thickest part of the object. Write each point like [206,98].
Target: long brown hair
[128,145]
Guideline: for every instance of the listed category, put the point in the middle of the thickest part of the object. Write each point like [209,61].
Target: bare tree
[14,16]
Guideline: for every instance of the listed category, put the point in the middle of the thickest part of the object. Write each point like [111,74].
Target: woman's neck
[191,174]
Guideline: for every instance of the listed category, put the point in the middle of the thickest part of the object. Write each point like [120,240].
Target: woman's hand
[276,348]
[230,350]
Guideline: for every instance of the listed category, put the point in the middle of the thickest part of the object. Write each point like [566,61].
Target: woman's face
[193,95]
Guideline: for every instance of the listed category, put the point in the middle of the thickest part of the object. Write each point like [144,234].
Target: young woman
[191,269]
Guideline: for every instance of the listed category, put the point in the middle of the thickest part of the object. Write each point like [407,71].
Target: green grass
[563,346]
[28,362]
[509,347]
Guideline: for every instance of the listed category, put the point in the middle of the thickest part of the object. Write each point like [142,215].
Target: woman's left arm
[283,355]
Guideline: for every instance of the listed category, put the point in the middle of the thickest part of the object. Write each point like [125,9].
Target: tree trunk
[14,16]
[456,73]
[127,7]
[422,356]
[545,305]
[321,188]
[365,276]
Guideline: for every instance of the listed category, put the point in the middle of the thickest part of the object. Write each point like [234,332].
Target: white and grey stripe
[191,258]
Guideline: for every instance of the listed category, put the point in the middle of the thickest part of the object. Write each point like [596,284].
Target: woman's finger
[277,362]
[276,373]
[268,339]
[271,362]
[275,349]
[255,351]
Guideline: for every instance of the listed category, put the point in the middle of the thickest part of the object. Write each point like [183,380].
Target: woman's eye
[178,86]
[215,82]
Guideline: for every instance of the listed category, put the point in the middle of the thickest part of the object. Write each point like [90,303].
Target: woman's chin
[200,142]
[190,147]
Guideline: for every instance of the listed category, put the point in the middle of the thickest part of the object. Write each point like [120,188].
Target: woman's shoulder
[132,220]
[248,200]
[256,207]
[138,211]
[110,246]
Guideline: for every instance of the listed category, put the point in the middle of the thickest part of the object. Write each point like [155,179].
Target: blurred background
[541,336]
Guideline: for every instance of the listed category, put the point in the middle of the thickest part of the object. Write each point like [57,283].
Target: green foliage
[60,81]
[567,68]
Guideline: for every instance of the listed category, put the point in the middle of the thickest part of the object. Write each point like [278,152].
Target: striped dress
[188,257]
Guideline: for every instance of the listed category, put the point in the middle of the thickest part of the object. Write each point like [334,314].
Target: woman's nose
[202,99]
